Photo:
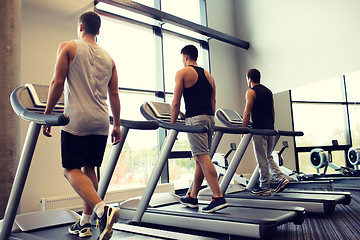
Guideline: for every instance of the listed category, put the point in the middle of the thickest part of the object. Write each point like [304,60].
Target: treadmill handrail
[48,119]
[139,125]
[232,130]
[265,132]
[169,126]
[290,133]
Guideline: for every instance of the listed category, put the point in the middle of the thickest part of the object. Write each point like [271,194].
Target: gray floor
[343,224]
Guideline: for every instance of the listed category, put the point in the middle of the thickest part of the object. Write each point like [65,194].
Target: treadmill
[248,220]
[311,201]
[29,103]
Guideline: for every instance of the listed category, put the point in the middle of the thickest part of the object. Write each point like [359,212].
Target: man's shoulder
[184,70]
[67,45]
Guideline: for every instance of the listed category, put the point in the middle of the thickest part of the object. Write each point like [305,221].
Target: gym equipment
[312,201]
[29,103]
[165,209]
[232,118]
[320,159]
[25,103]
[354,157]
[221,164]
[297,178]
[331,181]
[347,178]
[277,155]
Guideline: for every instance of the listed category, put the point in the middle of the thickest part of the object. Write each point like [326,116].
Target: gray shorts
[200,143]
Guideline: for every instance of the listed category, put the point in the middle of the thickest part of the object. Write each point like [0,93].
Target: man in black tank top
[198,88]
[260,107]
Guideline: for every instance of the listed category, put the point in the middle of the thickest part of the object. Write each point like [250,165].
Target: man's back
[197,92]
[262,113]
[86,90]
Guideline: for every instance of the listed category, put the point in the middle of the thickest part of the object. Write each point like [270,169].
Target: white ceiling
[61,6]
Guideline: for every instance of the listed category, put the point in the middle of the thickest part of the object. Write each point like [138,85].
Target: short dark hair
[254,74]
[191,51]
[91,22]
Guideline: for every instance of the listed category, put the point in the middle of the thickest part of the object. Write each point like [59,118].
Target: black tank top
[262,113]
[198,97]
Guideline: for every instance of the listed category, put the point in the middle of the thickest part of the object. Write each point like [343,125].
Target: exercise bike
[221,164]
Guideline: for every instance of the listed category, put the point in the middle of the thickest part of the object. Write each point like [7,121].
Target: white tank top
[85,92]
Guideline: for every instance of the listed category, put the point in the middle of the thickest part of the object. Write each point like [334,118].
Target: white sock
[99,209]
[85,219]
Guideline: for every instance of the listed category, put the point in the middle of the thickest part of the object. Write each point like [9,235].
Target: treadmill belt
[231,213]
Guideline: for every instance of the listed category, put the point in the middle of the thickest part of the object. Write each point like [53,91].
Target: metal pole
[215,143]
[111,164]
[235,161]
[155,175]
[20,179]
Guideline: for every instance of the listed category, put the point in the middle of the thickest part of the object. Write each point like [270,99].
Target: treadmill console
[38,94]
[163,111]
[231,116]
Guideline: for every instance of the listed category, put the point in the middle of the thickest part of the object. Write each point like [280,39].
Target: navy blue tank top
[262,113]
[198,97]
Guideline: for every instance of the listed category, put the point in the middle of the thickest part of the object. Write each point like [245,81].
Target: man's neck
[254,84]
[90,39]
[193,63]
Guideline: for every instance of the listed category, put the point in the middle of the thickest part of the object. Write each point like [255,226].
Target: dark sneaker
[82,231]
[105,223]
[281,185]
[215,205]
[261,191]
[189,202]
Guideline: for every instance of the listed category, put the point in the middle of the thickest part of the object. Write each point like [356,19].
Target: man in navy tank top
[198,88]
[260,108]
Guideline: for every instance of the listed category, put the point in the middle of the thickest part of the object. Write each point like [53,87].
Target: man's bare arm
[250,99]
[60,73]
[115,105]
[64,54]
[179,87]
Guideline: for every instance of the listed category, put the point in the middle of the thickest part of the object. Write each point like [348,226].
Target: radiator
[74,202]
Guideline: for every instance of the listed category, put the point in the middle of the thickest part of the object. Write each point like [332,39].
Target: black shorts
[80,151]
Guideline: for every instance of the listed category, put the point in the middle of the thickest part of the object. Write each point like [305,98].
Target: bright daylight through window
[133,41]
[326,111]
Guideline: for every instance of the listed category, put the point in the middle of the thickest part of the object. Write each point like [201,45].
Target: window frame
[341,147]
[160,92]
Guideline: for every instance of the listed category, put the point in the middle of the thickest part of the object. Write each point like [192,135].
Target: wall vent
[74,202]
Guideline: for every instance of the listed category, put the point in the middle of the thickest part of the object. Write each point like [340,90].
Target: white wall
[227,70]
[43,28]
[283,121]
[295,42]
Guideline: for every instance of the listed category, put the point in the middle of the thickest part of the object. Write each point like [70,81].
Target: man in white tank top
[87,74]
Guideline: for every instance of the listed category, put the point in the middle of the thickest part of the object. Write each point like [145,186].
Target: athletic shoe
[189,202]
[105,223]
[82,231]
[282,184]
[261,191]
[215,205]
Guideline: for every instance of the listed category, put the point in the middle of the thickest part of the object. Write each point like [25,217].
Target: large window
[326,111]
[147,56]
[132,48]
[353,97]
